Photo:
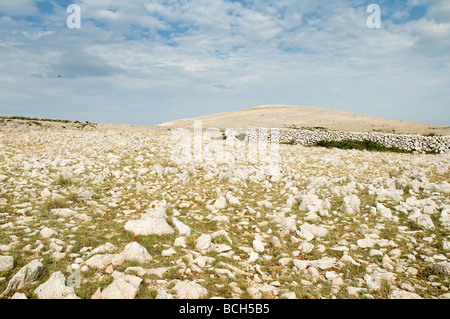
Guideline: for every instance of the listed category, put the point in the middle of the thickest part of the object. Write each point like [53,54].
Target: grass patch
[63,181]
[359,145]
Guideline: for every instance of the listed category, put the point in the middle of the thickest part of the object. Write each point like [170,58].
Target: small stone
[168,252]
[47,232]
[163,294]
[6,263]
[258,246]
[425,221]
[220,203]
[63,212]
[152,222]
[189,290]
[110,269]
[253,257]
[181,228]
[203,243]
[365,243]
[350,204]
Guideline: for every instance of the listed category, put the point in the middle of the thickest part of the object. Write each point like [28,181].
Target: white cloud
[18,7]
[163,60]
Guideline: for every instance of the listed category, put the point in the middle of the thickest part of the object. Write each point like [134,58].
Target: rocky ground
[110,213]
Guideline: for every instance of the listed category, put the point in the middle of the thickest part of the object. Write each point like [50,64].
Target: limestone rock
[47,232]
[203,243]
[25,276]
[181,228]
[189,290]
[152,222]
[350,204]
[63,212]
[6,263]
[132,252]
[55,288]
[425,221]
[123,287]
[403,294]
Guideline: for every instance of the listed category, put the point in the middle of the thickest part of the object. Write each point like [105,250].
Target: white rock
[180,242]
[46,193]
[105,248]
[306,247]
[220,203]
[181,228]
[220,248]
[168,252]
[312,229]
[6,263]
[189,290]
[348,258]
[132,252]
[288,225]
[301,264]
[443,268]
[324,263]
[350,204]
[384,211]
[47,232]
[163,294]
[289,295]
[19,295]
[445,244]
[254,293]
[366,243]
[253,256]
[152,222]
[425,221]
[123,287]
[258,245]
[330,275]
[313,273]
[55,288]
[63,212]
[100,261]
[403,294]
[203,243]
[371,282]
[24,276]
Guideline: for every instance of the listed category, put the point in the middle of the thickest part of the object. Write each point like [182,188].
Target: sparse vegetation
[359,145]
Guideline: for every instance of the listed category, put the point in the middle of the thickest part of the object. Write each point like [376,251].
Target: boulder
[55,288]
[25,276]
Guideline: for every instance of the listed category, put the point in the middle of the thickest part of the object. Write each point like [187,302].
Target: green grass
[359,145]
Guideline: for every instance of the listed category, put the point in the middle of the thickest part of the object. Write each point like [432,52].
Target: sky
[147,62]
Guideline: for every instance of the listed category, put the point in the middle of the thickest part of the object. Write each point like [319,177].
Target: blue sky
[152,61]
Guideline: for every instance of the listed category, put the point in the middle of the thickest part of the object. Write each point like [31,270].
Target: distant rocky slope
[303,117]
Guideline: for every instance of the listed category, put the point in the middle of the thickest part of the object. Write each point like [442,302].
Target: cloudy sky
[152,61]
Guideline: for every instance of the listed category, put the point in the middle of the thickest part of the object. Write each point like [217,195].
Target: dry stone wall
[308,137]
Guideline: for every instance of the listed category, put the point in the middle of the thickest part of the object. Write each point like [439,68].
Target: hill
[287,116]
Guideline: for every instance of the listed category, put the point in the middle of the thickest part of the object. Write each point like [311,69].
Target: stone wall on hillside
[410,142]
